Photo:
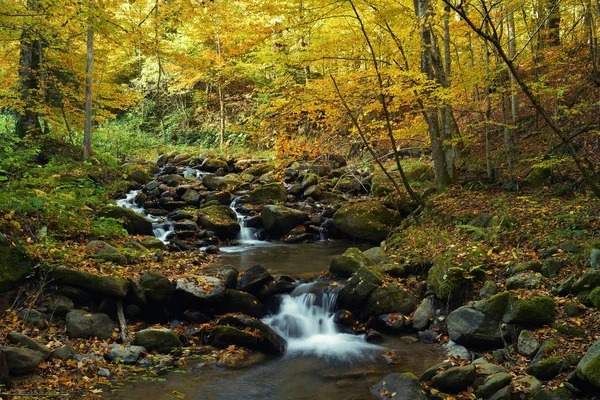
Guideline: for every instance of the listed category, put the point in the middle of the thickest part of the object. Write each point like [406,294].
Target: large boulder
[588,368]
[214,164]
[222,183]
[104,285]
[279,220]
[348,263]
[242,302]
[162,340]
[360,286]
[454,379]
[266,194]
[157,287]
[21,360]
[534,311]
[389,299]
[404,386]
[201,289]
[368,220]
[81,324]
[105,252]
[470,327]
[27,342]
[451,275]
[125,354]
[254,279]
[134,223]
[15,263]
[219,219]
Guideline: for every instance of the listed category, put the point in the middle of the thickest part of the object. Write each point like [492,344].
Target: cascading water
[162,228]
[306,320]
[248,236]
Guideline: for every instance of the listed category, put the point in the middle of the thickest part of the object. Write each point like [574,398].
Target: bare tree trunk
[221,102]
[87,128]
[506,129]
[488,112]
[512,52]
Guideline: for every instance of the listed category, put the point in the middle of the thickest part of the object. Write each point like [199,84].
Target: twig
[122,325]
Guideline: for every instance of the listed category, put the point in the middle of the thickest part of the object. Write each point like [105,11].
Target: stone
[271,193]
[424,313]
[33,317]
[158,362]
[551,267]
[104,285]
[279,220]
[527,344]
[376,254]
[587,282]
[21,360]
[454,379]
[81,324]
[348,263]
[60,305]
[64,353]
[562,393]
[526,386]
[470,327]
[565,287]
[404,386]
[191,196]
[394,322]
[433,370]
[488,289]
[254,279]
[595,259]
[502,394]
[547,368]
[246,303]
[161,340]
[360,285]
[157,287]
[201,289]
[134,223]
[222,183]
[493,383]
[588,369]
[230,275]
[389,299]
[368,220]
[15,263]
[219,219]
[574,309]
[104,373]
[595,297]
[532,266]
[534,311]
[27,342]
[524,280]
[125,354]
[456,351]
[212,164]
[152,243]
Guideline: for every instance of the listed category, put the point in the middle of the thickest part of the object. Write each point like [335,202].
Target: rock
[125,354]
[246,303]
[595,297]
[202,289]
[185,225]
[60,305]
[270,193]
[134,223]
[254,279]
[159,362]
[389,299]
[494,383]
[104,373]
[348,263]
[15,263]
[157,287]
[161,340]
[502,394]
[454,379]
[376,254]
[27,342]
[533,266]
[562,393]
[595,259]
[314,192]
[526,386]
[456,351]
[551,268]
[349,184]
[394,322]
[402,386]
[470,327]
[105,252]
[21,360]
[279,220]
[81,324]
[223,184]
[433,370]
[424,313]
[33,317]
[588,369]
[484,368]
[360,285]
[152,243]
[574,309]
[585,284]
[539,176]
[64,353]
[547,368]
[214,164]
[367,220]
[223,197]
[527,344]
[570,246]
[565,287]
[534,311]
[105,285]
[230,275]
[219,219]
[191,196]
[524,280]
[488,289]
[4,372]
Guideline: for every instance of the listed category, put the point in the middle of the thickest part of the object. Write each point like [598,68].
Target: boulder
[527,344]
[493,383]
[64,353]
[595,258]
[214,164]
[404,386]
[254,279]
[191,196]
[105,252]
[348,263]
[588,369]
[15,263]
[368,220]
[548,368]
[104,285]
[161,340]
[470,327]
[152,243]
[551,268]
[33,317]
[454,379]
[525,387]
[279,220]
[219,219]
[81,324]
[534,311]
[21,360]
[524,280]
[389,299]
[222,183]
[27,342]
[376,254]
[270,193]
[242,302]
[201,289]
[134,223]
[157,287]
[424,313]
[125,354]
[360,286]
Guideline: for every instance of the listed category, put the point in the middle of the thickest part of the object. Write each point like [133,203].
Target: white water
[306,321]
[247,238]
[193,172]
[161,227]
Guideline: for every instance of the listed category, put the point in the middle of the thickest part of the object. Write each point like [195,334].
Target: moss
[368,220]
[495,305]
[107,285]
[592,371]
[15,264]
[534,311]
[348,263]
[219,219]
[595,297]
[269,193]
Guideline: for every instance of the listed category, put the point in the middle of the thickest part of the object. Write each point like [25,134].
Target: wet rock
[424,313]
[360,285]
[279,220]
[281,285]
[494,383]
[64,353]
[246,303]
[214,164]
[191,196]
[106,285]
[376,254]
[454,379]
[547,368]
[433,370]
[27,342]
[254,279]
[230,275]
[134,223]
[161,340]
[81,324]
[125,354]
[456,351]
[159,362]
[222,184]
[470,327]
[372,336]
[348,263]
[153,243]
[527,344]
[390,299]
[185,225]
[219,219]
[405,386]
[270,193]
[367,220]
[202,289]
[394,322]
[33,317]
[157,287]
[21,360]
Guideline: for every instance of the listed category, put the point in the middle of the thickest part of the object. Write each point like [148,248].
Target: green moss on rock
[534,311]
[15,263]
[368,220]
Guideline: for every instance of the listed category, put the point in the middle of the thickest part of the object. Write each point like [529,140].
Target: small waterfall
[189,171]
[247,236]
[306,321]
[161,227]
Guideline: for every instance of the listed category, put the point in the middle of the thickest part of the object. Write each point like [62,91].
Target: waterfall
[161,227]
[247,236]
[306,320]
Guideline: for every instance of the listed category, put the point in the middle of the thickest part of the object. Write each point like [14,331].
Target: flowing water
[162,228]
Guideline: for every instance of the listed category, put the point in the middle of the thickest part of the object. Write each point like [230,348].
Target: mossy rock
[162,340]
[534,311]
[360,285]
[595,297]
[219,219]
[134,223]
[348,263]
[389,299]
[452,273]
[495,305]
[588,368]
[381,185]
[15,263]
[267,194]
[368,220]
[539,176]
[279,220]
[104,251]
[106,285]
[395,241]
[547,368]
[228,182]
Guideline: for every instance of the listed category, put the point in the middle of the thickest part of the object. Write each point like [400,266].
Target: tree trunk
[512,52]
[87,128]
[221,103]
